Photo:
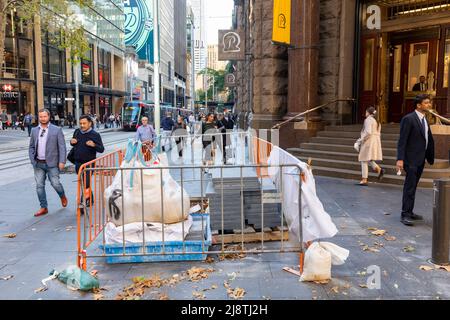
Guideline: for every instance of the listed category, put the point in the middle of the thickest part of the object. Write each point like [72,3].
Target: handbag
[71,154]
[357,145]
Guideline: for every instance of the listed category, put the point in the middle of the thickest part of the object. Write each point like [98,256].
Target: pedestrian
[117,120]
[87,143]
[209,129]
[229,124]
[28,122]
[221,127]
[191,120]
[168,125]
[4,119]
[370,146]
[415,145]
[70,120]
[105,120]
[147,135]
[111,121]
[14,121]
[47,152]
[181,133]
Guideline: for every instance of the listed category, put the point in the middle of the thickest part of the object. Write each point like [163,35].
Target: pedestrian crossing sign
[281,32]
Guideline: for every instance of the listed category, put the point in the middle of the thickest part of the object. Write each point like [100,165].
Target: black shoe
[407,221]
[163,149]
[416,217]
[381,174]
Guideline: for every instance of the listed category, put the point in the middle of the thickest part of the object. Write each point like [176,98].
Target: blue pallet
[191,246]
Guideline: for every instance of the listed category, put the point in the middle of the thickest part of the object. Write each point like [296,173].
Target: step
[349,141]
[353,157]
[429,173]
[356,175]
[342,148]
[355,135]
[395,129]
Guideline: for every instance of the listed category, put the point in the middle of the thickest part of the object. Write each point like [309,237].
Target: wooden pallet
[251,235]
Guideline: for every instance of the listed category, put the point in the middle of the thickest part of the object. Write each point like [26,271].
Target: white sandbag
[338,254]
[124,205]
[152,232]
[317,265]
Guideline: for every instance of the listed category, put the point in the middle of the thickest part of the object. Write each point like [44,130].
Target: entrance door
[369,74]
[413,71]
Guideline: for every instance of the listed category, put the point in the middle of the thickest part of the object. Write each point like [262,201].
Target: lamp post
[156,66]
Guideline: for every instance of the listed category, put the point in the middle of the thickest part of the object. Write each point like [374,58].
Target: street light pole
[156,66]
[77,92]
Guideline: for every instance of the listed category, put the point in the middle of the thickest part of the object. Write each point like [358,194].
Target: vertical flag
[281,32]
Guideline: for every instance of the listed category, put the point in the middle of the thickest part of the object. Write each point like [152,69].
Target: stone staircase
[333,155]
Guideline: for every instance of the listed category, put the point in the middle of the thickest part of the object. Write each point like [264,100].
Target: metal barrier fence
[244,188]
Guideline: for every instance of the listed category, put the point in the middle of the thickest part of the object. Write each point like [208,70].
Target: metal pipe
[144,249]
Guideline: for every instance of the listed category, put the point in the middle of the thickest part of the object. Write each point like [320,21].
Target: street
[41,245]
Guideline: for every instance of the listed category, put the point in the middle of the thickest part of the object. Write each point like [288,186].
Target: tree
[50,15]
[219,81]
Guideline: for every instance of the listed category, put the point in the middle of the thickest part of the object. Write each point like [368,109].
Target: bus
[133,111]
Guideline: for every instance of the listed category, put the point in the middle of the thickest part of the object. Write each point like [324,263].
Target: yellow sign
[282,21]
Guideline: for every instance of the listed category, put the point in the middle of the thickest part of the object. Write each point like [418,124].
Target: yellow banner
[282,21]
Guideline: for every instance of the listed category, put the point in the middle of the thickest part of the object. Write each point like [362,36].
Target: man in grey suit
[47,153]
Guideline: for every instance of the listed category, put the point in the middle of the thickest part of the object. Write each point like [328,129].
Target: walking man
[415,145]
[47,153]
[168,125]
[28,122]
[4,118]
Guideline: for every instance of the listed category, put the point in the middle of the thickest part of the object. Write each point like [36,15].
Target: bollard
[441,222]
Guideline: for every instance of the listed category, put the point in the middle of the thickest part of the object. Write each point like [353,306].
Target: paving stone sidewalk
[47,243]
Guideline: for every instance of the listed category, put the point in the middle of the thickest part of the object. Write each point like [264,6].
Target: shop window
[53,58]
[418,63]
[369,53]
[86,68]
[104,68]
[397,68]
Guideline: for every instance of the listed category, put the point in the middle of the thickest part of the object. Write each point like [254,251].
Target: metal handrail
[438,116]
[277,126]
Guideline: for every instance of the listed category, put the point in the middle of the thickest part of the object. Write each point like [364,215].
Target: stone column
[38,66]
[304,58]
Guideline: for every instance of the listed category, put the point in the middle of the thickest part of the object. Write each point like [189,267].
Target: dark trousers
[413,174]
[86,177]
[29,127]
[224,146]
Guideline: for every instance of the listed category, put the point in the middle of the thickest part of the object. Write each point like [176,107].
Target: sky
[218,16]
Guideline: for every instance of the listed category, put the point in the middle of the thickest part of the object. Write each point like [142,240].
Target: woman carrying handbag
[369,146]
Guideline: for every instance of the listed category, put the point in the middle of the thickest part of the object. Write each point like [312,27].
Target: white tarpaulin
[316,222]
[153,232]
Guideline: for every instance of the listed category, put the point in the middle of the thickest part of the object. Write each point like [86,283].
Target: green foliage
[55,16]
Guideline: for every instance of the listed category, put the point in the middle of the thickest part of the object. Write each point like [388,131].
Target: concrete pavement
[49,242]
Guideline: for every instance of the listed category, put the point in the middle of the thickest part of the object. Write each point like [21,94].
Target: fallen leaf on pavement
[98,296]
[214,286]
[209,260]
[163,296]
[197,274]
[231,276]
[372,229]
[198,295]
[370,249]
[426,268]
[446,268]
[363,286]
[335,289]
[238,293]
[41,289]
[10,235]
[387,214]
[378,232]
[322,281]
[7,277]
[390,238]
[409,249]
[347,286]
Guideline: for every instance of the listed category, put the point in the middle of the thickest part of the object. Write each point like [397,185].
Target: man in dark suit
[421,86]
[415,145]
[47,152]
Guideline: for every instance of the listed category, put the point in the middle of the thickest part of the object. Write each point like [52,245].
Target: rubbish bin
[441,222]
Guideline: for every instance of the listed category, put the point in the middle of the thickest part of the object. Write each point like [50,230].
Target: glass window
[446,59]
[53,58]
[26,63]
[397,68]
[10,65]
[86,68]
[104,68]
[369,52]
[418,66]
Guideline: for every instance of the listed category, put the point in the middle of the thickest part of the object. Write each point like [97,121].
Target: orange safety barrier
[261,152]
[90,189]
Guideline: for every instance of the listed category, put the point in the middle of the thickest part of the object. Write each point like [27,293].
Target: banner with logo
[281,32]
[231,45]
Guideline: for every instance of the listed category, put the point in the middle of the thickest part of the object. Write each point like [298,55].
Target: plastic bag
[124,205]
[338,254]
[78,279]
[317,266]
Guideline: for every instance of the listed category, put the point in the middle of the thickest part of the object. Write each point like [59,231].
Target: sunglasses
[42,133]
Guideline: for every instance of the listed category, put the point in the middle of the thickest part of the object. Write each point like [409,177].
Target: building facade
[213,58]
[37,74]
[372,51]
[200,44]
